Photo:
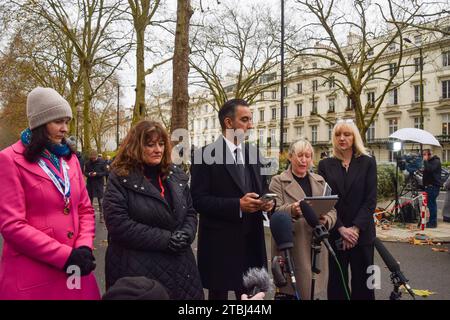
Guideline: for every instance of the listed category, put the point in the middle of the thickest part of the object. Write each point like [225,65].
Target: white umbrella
[416,135]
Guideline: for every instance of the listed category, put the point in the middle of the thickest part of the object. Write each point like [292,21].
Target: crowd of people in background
[152,210]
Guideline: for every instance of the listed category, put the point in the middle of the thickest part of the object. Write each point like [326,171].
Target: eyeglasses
[349,121]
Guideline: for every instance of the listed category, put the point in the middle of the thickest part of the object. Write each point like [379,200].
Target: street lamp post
[118,115]
[282,78]
[420,80]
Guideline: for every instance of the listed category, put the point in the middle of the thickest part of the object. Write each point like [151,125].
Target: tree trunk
[86,111]
[139,104]
[180,92]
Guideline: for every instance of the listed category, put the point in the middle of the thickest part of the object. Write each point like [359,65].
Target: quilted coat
[140,223]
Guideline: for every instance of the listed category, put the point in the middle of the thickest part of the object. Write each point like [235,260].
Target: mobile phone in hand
[267,197]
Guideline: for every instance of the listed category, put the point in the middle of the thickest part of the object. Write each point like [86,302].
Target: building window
[349,56]
[417,64]
[417,122]
[371,99]
[418,40]
[313,134]
[261,96]
[274,113]
[331,83]
[274,95]
[446,155]
[299,110]
[299,88]
[392,69]
[446,89]
[370,133]
[392,47]
[392,156]
[446,59]
[314,107]
[285,135]
[330,131]
[213,123]
[206,124]
[350,104]
[417,93]
[331,105]
[261,137]
[314,65]
[285,91]
[393,126]
[370,52]
[371,74]
[446,124]
[332,62]
[315,85]
[299,132]
[393,97]
[272,137]
[285,112]
[261,115]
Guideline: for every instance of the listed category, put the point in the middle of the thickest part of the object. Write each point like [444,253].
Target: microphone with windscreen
[281,228]
[257,280]
[319,230]
[393,266]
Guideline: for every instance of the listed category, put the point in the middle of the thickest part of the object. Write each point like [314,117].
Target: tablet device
[321,205]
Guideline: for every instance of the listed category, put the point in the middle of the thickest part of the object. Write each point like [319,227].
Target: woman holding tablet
[292,185]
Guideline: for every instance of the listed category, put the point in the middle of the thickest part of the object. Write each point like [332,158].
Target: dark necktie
[240,166]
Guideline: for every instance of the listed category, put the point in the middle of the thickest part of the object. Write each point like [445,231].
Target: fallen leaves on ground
[439,249]
[420,293]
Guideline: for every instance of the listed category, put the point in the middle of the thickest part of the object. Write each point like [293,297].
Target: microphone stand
[316,246]
[396,294]
[319,234]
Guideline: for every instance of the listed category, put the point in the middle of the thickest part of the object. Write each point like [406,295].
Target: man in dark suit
[226,182]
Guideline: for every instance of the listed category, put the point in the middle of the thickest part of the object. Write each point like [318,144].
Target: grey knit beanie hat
[45,105]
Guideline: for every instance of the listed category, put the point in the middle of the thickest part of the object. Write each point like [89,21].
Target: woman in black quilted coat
[149,215]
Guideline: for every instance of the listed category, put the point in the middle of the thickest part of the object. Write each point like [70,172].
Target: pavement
[406,232]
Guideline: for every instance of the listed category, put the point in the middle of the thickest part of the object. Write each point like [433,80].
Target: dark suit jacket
[357,199]
[227,243]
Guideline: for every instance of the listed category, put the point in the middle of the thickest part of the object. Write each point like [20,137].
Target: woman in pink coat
[46,218]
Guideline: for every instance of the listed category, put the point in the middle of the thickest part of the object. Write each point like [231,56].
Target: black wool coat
[140,223]
[95,185]
[228,244]
[357,195]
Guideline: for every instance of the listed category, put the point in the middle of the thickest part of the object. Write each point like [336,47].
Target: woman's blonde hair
[358,145]
[300,146]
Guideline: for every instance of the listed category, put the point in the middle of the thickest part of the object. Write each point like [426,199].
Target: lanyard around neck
[57,181]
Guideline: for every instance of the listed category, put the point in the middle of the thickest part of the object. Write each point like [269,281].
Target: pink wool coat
[38,236]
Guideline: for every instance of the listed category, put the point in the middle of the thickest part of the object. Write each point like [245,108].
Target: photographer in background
[432,183]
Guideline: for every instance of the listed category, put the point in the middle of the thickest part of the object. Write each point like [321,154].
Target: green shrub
[386,180]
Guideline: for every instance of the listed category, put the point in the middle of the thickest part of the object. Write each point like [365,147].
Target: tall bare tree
[240,42]
[143,13]
[373,50]
[91,27]
[180,94]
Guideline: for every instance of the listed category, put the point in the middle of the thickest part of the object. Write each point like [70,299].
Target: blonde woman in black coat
[352,175]
[149,215]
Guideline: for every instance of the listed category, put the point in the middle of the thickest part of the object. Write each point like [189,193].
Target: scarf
[52,152]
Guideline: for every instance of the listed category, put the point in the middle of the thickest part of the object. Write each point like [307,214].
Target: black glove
[179,241]
[83,258]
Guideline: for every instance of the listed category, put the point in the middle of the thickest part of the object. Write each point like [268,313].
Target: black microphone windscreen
[388,259]
[281,228]
[309,214]
[257,280]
